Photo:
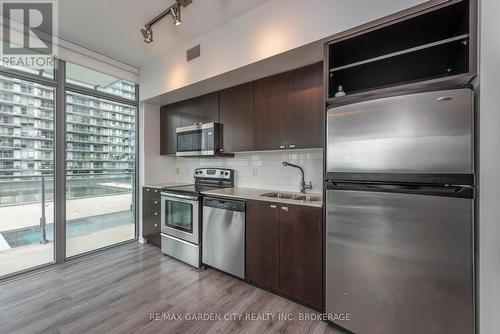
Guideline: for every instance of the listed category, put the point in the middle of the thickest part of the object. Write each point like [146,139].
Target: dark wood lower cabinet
[301,254]
[262,244]
[151,216]
[284,250]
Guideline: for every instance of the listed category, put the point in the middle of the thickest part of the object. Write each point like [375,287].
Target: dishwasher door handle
[230,205]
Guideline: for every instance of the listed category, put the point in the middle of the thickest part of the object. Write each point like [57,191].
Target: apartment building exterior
[100,134]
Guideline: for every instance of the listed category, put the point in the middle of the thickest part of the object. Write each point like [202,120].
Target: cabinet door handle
[155,213]
[272,206]
[284,208]
[148,190]
[156,190]
[156,202]
[292,146]
[282,147]
[155,225]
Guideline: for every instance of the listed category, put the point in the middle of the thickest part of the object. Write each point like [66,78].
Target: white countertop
[256,195]
[166,184]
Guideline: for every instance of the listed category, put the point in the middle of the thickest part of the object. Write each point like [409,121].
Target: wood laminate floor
[136,289]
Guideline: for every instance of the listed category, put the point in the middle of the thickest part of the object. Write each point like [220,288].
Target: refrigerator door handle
[460,191]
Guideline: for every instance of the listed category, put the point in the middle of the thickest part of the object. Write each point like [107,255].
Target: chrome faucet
[303,184]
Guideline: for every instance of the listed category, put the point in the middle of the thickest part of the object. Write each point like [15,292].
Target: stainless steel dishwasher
[223,240]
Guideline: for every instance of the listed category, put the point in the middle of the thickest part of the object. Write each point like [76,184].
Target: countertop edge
[165,184]
[217,193]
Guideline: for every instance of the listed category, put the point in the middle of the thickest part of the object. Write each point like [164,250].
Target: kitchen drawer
[151,216]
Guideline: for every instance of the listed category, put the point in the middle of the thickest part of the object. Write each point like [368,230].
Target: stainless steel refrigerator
[400,214]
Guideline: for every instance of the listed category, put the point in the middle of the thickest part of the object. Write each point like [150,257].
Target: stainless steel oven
[180,216]
[199,140]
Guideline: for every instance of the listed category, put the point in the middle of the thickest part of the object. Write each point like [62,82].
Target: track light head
[147,33]
[175,11]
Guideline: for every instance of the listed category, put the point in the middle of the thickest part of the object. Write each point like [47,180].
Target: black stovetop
[206,179]
[194,189]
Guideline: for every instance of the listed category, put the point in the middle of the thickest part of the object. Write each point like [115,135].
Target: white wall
[270,29]
[489,160]
[155,167]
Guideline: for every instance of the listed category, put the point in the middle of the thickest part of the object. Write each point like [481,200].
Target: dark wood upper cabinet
[170,120]
[236,116]
[301,254]
[201,109]
[289,110]
[284,111]
[187,111]
[262,244]
[206,108]
[305,116]
[433,46]
[271,105]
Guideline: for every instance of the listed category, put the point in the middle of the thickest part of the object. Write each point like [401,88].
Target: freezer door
[428,133]
[400,263]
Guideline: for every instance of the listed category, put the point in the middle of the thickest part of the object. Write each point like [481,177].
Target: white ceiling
[111,27]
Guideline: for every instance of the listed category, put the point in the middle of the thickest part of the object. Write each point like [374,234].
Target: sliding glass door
[26,174]
[67,164]
[100,162]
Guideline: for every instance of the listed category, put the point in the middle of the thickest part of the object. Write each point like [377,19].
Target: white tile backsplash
[259,170]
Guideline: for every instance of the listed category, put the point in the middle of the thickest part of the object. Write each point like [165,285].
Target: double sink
[304,198]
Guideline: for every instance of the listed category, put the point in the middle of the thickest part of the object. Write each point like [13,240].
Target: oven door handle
[192,198]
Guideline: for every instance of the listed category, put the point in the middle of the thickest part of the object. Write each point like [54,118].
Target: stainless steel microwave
[199,140]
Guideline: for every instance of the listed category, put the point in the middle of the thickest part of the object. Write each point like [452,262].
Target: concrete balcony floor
[108,209]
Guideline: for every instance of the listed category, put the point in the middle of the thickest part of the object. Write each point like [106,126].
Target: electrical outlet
[177,171]
[255,172]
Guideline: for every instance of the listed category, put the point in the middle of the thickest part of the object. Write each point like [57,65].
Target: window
[46,73]
[26,226]
[100,196]
[85,77]
[100,137]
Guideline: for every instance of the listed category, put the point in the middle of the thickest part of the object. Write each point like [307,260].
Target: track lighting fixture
[147,33]
[174,11]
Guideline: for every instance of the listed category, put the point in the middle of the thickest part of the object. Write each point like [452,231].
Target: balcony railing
[21,190]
